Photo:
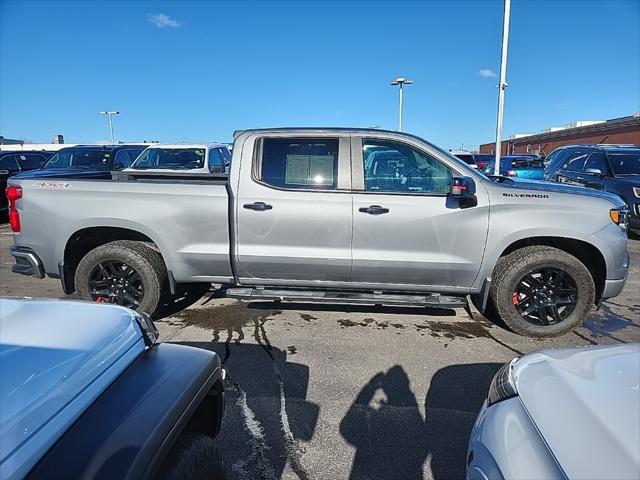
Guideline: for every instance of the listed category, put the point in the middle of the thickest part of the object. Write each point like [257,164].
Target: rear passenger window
[300,162]
[30,161]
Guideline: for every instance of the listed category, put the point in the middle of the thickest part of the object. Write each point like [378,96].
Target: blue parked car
[86,392]
[528,167]
[87,161]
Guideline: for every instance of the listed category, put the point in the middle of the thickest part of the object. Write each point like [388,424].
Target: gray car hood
[586,405]
[543,186]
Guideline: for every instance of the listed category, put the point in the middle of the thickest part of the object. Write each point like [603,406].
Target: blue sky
[197,71]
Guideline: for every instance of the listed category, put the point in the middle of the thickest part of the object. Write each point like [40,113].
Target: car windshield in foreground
[172,158]
[94,159]
[625,163]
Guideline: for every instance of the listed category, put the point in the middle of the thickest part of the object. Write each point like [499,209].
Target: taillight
[14,193]
[512,173]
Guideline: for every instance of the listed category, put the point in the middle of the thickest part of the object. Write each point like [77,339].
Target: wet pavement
[334,391]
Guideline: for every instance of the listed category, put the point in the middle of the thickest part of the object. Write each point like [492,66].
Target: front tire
[541,291]
[125,273]
[193,456]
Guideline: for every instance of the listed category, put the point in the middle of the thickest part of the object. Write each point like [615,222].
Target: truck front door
[294,210]
[406,230]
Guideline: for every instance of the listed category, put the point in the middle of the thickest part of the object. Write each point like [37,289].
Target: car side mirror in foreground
[464,189]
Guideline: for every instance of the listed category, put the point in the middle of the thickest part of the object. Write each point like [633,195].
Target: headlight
[502,386]
[619,216]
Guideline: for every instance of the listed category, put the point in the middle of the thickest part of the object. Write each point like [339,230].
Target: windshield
[95,159]
[625,164]
[173,158]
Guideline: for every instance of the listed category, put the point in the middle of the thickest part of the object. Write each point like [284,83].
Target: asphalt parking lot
[330,391]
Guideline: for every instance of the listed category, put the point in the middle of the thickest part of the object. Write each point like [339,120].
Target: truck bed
[185,215]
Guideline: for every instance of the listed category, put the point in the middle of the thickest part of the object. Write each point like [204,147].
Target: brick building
[624,130]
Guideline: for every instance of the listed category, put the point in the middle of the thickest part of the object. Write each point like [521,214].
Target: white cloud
[486,73]
[162,20]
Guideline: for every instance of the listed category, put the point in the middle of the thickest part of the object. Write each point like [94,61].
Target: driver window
[395,167]
[596,161]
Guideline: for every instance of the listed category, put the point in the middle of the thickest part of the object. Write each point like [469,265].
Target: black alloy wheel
[116,282]
[546,296]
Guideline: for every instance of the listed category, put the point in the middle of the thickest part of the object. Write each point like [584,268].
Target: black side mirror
[464,189]
[216,169]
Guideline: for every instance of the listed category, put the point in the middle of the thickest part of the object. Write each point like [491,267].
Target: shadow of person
[386,427]
[452,403]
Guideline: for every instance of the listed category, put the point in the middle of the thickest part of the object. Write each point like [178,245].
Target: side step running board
[359,298]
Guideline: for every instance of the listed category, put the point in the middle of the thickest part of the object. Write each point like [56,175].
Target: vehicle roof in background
[22,152]
[178,146]
[607,147]
[102,148]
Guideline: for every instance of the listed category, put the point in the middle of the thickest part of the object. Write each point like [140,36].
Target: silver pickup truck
[331,215]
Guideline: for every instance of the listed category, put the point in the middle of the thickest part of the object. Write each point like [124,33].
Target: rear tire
[508,274]
[143,259]
[193,456]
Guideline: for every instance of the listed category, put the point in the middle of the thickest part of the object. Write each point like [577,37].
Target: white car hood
[56,357]
[586,405]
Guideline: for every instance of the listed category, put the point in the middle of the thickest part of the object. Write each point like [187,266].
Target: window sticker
[309,170]
[321,169]
[297,170]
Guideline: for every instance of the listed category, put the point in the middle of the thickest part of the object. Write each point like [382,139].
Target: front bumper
[27,262]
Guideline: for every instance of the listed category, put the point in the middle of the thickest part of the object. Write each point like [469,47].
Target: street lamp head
[401,81]
[110,113]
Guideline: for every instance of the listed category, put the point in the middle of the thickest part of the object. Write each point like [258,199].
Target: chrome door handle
[374,210]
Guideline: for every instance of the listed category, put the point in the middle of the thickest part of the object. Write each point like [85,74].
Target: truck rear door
[406,230]
[293,209]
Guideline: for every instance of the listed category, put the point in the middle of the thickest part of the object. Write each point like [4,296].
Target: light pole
[110,114]
[400,81]
[503,84]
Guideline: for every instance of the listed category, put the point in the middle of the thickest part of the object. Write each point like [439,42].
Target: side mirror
[464,189]
[117,166]
[5,172]
[216,169]
[593,171]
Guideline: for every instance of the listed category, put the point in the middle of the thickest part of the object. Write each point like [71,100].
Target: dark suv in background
[88,161]
[14,162]
[612,168]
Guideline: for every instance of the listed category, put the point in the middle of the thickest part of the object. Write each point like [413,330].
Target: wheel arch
[86,239]
[584,251]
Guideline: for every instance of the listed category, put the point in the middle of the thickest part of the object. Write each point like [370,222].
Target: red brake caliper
[514,298]
[101,300]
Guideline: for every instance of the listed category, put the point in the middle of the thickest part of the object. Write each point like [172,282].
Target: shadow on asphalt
[390,435]
[384,424]
[266,413]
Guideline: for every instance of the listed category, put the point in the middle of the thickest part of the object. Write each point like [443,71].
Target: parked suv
[612,168]
[14,162]
[88,161]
